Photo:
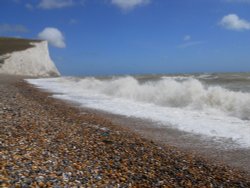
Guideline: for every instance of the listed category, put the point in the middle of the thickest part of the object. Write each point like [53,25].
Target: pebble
[47,143]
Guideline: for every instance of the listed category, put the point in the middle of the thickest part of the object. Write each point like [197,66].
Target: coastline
[47,142]
[216,151]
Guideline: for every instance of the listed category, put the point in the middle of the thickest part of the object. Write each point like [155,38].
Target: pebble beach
[45,142]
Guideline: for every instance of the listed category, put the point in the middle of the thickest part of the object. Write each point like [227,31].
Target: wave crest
[171,92]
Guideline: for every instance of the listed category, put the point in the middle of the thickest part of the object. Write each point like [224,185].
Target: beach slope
[46,142]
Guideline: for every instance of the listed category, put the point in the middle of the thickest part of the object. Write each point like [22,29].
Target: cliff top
[8,45]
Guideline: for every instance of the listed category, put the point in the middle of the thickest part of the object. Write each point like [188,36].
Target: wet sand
[46,142]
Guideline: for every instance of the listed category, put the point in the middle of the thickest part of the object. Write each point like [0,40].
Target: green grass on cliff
[8,45]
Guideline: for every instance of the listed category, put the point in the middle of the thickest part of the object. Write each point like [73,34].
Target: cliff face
[32,61]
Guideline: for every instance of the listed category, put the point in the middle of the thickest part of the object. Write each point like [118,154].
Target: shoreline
[216,151]
[47,142]
[221,151]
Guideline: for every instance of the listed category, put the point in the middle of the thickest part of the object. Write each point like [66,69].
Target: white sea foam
[185,104]
[206,76]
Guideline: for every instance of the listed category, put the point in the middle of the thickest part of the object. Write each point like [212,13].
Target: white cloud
[188,42]
[54,4]
[129,4]
[187,38]
[233,22]
[53,36]
[7,28]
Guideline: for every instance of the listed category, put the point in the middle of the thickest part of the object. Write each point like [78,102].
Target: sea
[214,106]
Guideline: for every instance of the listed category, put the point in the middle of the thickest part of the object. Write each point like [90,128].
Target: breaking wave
[171,92]
[184,103]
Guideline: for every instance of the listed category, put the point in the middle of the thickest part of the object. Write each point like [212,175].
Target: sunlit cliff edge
[26,57]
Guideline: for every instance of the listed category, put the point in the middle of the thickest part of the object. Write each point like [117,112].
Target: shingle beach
[46,142]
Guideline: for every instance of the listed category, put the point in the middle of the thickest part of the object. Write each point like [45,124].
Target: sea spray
[183,102]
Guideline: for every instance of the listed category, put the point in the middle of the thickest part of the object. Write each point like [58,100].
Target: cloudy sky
[100,37]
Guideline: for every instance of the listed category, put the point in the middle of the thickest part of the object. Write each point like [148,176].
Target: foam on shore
[186,105]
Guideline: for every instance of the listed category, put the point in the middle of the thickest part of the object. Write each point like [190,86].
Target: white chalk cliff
[34,61]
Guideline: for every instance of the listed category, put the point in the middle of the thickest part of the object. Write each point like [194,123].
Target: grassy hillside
[8,45]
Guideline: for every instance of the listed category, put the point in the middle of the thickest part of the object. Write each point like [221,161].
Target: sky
[107,37]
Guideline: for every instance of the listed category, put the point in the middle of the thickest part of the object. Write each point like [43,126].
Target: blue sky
[103,37]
